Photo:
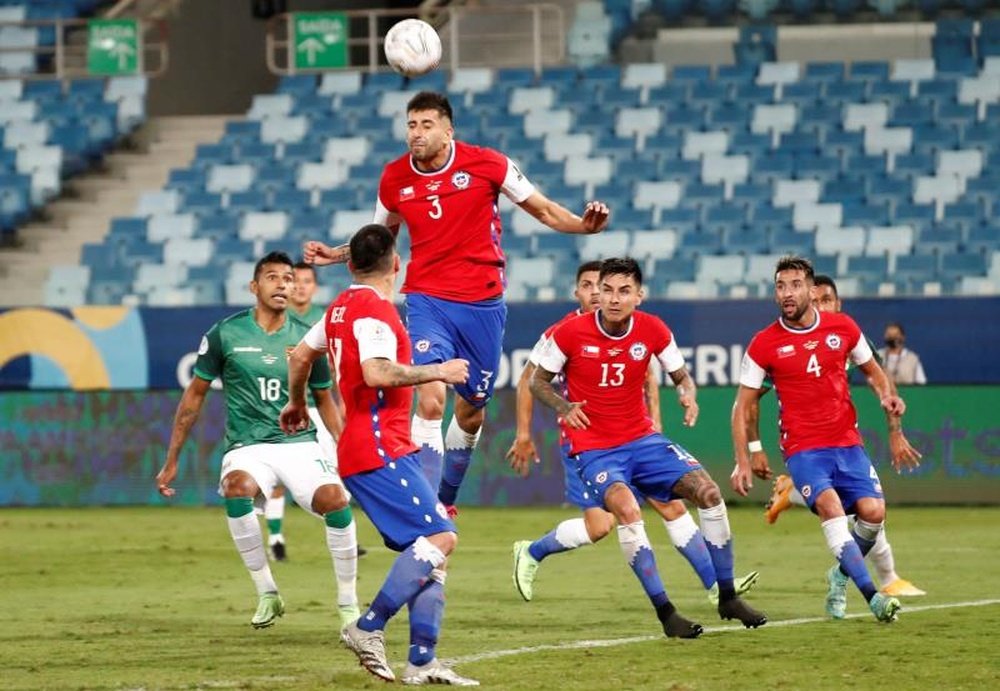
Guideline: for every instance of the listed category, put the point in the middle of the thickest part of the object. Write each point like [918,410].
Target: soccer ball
[412,47]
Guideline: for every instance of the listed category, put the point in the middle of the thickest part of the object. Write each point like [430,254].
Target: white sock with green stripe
[245,529]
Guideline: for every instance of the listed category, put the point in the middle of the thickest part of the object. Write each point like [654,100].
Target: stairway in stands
[85,214]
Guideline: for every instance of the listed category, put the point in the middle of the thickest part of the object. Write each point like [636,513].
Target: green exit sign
[319,40]
[113,46]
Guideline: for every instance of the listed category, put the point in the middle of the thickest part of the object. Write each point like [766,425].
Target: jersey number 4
[813,365]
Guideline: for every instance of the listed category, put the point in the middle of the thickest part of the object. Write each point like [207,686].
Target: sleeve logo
[203,346]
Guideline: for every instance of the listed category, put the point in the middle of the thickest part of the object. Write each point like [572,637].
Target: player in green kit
[248,352]
[301,305]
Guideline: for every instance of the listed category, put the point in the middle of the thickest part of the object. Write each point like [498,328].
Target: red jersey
[360,325]
[453,218]
[809,371]
[609,373]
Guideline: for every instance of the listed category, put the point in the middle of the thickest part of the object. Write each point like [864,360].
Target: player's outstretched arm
[383,373]
[652,390]
[687,395]
[522,452]
[901,452]
[558,217]
[571,412]
[321,254]
[742,475]
[187,413]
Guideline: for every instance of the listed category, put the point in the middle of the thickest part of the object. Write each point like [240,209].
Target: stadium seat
[165,226]
[471,80]
[890,141]
[187,251]
[912,71]
[558,147]
[346,223]
[698,144]
[725,270]
[862,116]
[266,106]
[791,192]
[938,191]
[591,172]
[539,123]
[613,243]
[806,216]
[230,178]
[638,122]
[777,75]
[964,164]
[263,225]
[644,76]
[845,242]
[774,120]
[284,130]
[657,195]
[653,243]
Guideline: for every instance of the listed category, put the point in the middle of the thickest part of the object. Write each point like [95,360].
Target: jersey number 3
[435,211]
[813,365]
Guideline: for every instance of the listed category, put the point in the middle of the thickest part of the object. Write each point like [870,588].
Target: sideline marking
[611,642]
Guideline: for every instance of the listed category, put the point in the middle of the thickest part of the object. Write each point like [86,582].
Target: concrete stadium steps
[83,214]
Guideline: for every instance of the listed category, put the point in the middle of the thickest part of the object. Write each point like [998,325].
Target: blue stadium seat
[671,93]
[232,250]
[866,215]
[983,238]
[746,241]
[938,240]
[218,227]
[771,217]
[377,82]
[869,71]
[201,203]
[816,167]
[340,198]
[919,216]
[804,95]
[684,220]
[512,77]
[843,92]
[824,72]
[724,217]
[958,264]
[705,241]
[785,240]
[870,268]
[841,191]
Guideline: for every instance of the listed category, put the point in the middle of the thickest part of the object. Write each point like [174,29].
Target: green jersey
[312,315]
[254,371]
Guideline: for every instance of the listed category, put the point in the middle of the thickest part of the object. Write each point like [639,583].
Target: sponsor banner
[145,347]
[65,448]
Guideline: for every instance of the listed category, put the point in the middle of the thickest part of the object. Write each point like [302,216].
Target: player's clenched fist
[454,371]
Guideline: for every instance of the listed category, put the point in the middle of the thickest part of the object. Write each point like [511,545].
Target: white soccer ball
[412,47]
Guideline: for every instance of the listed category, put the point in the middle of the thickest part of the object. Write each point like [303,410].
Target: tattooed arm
[687,395]
[383,373]
[321,254]
[542,389]
[187,414]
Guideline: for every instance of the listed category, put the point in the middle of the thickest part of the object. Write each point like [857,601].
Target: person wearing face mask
[901,364]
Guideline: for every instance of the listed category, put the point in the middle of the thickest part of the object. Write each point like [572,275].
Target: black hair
[621,266]
[594,265]
[824,280]
[430,100]
[271,258]
[790,262]
[899,326]
[305,265]
[372,249]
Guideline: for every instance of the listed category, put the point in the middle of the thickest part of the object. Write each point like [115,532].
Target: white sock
[458,438]
[715,525]
[881,557]
[796,498]
[250,544]
[427,432]
[631,538]
[837,535]
[681,530]
[572,533]
[343,545]
[274,508]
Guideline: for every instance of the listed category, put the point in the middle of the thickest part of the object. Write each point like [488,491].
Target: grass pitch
[157,598]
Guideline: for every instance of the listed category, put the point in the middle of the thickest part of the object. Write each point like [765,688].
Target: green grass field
[158,599]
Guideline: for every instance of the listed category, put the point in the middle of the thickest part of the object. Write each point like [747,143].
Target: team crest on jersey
[461,179]
[810,345]
[638,351]
[807,490]
[833,342]
[269,359]
[423,345]
[602,477]
[406,193]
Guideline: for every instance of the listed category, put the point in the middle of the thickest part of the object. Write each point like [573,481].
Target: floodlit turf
[157,598]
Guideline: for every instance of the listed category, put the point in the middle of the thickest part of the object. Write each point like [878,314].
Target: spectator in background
[901,364]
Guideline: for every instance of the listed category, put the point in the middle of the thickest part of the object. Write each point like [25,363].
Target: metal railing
[517,36]
[66,58]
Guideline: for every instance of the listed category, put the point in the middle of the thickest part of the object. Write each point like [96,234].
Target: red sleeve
[497,170]
[758,351]
[662,336]
[853,332]
[386,195]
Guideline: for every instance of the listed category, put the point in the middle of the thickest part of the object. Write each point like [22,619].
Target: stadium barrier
[115,347]
[69,448]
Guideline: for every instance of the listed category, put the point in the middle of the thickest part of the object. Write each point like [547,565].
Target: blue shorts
[845,469]
[441,330]
[400,502]
[576,492]
[650,466]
